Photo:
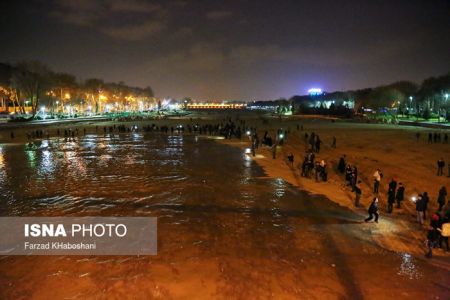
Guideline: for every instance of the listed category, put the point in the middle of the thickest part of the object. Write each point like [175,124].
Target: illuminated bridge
[216,106]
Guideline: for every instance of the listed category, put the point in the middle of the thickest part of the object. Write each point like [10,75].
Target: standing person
[441,197]
[419,209]
[373,210]
[354,177]
[393,185]
[432,241]
[318,142]
[358,193]
[430,138]
[440,165]
[377,179]
[391,194]
[391,200]
[425,200]
[341,165]
[290,159]
[348,175]
[399,196]
[333,144]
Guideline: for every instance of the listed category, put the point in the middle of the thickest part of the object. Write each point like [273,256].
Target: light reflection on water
[408,267]
[223,230]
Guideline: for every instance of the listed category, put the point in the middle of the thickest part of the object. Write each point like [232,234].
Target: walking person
[373,210]
[441,197]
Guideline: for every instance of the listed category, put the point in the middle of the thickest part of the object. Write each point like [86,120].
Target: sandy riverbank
[393,149]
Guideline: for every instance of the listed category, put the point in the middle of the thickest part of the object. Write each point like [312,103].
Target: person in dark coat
[373,210]
[399,196]
[440,165]
[432,241]
[441,197]
[419,209]
[393,185]
[341,165]
[391,200]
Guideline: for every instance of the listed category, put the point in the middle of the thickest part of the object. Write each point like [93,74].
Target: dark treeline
[31,83]
[432,97]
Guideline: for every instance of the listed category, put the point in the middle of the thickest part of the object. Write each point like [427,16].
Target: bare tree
[31,80]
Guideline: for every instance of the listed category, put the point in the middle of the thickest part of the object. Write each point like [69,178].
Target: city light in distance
[315,91]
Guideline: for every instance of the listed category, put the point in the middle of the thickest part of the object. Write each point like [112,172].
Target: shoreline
[394,232]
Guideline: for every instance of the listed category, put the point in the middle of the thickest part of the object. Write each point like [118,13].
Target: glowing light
[281,136]
[42,108]
[315,91]
[67,95]
[248,150]
[248,132]
[413,199]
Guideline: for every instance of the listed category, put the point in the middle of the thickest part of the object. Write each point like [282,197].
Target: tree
[65,86]
[93,88]
[31,79]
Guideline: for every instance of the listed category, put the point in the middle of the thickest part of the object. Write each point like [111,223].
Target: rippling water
[224,229]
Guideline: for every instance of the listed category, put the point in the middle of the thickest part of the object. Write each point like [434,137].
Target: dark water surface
[224,229]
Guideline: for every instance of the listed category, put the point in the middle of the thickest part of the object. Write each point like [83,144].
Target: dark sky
[243,49]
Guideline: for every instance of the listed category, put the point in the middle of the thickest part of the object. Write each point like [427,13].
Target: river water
[225,230]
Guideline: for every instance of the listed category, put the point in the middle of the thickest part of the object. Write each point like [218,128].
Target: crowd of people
[440,219]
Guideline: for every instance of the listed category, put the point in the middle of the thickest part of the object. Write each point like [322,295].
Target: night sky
[232,49]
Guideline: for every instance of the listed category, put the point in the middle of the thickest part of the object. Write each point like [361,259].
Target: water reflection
[408,267]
